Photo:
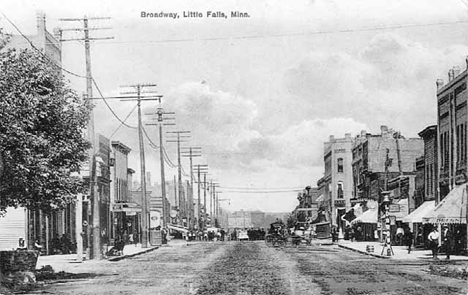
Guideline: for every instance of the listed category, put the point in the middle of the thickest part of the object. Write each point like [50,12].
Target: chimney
[450,75]
[347,135]
[332,138]
[456,71]
[41,23]
[363,133]
[439,83]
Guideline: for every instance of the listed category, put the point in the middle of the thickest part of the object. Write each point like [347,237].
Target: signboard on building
[394,208]
[155,219]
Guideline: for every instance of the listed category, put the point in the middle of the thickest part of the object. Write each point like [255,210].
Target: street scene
[233,147]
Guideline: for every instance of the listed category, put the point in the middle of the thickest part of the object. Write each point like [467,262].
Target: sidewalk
[400,252]
[69,262]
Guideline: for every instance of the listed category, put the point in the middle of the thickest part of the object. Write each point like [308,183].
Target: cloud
[390,81]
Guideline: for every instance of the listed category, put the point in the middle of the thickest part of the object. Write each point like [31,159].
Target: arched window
[340,165]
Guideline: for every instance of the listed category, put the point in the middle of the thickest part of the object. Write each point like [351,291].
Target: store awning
[177,228]
[452,209]
[417,215]
[370,216]
[126,207]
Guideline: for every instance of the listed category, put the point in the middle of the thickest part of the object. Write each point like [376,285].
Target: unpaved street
[253,268]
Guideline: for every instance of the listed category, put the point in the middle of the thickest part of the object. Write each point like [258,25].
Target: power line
[64,69]
[259,192]
[39,51]
[263,188]
[155,146]
[109,107]
[379,28]
[120,125]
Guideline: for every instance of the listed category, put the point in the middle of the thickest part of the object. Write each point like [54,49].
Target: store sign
[394,208]
[155,219]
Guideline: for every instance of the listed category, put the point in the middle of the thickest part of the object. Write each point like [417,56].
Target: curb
[118,258]
[364,252]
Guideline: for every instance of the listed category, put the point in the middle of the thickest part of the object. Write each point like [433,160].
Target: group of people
[207,235]
[447,241]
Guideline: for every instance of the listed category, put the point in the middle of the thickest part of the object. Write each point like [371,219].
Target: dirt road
[253,268]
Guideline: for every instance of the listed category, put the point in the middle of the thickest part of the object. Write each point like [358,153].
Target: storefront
[415,223]
[367,221]
[451,211]
[126,220]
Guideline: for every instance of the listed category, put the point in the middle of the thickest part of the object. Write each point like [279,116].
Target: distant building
[430,165]
[240,219]
[338,176]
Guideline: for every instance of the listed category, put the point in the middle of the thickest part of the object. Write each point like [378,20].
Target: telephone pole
[160,112]
[144,206]
[182,203]
[200,168]
[95,251]
[213,186]
[191,152]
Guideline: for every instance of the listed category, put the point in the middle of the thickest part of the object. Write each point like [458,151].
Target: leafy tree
[41,133]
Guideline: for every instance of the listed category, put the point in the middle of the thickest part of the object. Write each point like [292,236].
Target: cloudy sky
[260,95]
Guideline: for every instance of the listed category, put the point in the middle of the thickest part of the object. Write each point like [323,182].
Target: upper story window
[340,193]
[340,165]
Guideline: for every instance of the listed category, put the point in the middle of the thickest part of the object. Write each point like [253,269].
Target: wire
[402,26]
[155,146]
[263,188]
[65,70]
[258,192]
[40,51]
[109,107]
[168,160]
[120,125]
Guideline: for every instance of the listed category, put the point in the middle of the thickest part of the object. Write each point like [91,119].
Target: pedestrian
[434,242]
[334,234]
[408,239]
[351,234]
[399,235]
[376,235]
[448,241]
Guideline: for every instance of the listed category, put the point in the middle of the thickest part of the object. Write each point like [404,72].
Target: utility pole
[204,200]
[182,205]
[144,208]
[199,170]
[160,112]
[191,152]
[94,194]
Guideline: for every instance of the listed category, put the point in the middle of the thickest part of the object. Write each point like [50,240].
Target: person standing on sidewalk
[408,239]
[448,241]
[434,242]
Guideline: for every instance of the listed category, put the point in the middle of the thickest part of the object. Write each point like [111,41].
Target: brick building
[452,131]
[338,177]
